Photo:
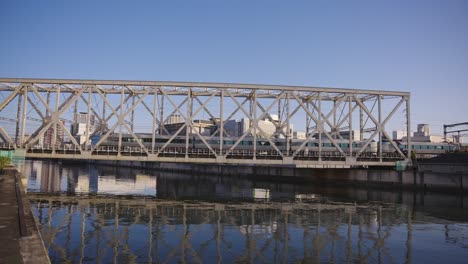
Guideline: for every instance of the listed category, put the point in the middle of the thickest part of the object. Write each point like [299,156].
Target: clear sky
[415,46]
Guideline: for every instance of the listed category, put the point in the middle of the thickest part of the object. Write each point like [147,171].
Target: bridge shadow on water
[102,214]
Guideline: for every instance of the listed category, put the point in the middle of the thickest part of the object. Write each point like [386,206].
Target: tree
[4,161]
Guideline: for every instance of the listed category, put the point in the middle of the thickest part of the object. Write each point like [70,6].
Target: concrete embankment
[385,178]
[448,163]
[20,239]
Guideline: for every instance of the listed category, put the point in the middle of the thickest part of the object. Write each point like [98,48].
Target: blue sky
[415,46]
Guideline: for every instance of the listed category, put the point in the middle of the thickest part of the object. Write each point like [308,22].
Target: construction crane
[454,131]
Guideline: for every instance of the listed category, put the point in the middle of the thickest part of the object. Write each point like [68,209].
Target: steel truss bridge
[36,116]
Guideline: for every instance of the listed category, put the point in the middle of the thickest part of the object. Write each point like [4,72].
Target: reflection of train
[423,149]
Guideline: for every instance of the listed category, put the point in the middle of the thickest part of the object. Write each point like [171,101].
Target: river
[102,214]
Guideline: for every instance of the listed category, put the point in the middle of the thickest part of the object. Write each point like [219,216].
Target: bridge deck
[310,160]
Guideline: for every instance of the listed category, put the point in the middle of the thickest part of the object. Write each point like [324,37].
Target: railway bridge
[193,122]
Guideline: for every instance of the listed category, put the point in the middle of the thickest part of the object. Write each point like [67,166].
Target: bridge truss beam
[161,121]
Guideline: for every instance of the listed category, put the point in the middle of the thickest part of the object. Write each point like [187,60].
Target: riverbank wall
[417,178]
[20,237]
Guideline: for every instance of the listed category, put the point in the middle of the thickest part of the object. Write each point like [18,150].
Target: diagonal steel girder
[246,132]
[309,137]
[11,96]
[154,116]
[246,99]
[5,137]
[203,106]
[320,123]
[326,119]
[173,111]
[102,92]
[55,115]
[265,112]
[255,121]
[379,125]
[49,110]
[177,109]
[97,115]
[345,118]
[153,112]
[34,106]
[189,121]
[121,121]
[278,126]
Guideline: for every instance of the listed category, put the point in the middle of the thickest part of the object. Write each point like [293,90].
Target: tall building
[269,128]
[79,128]
[233,128]
[355,135]
[399,134]
[424,135]
[423,131]
[299,135]
[49,135]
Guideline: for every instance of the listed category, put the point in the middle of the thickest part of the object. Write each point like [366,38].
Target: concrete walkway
[20,240]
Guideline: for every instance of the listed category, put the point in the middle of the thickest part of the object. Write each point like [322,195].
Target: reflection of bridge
[148,230]
[36,112]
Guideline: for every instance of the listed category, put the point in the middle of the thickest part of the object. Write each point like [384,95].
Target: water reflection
[159,231]
[52,177]
[208,219]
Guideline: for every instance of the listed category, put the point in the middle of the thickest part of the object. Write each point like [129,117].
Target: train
[245,144]
[422,149]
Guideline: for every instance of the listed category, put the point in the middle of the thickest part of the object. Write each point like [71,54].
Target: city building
[355,135]
[79,127]
[399,134]
[49,134]
[268,127]
[424,135]
[233,128]
[299,135]
[175,122]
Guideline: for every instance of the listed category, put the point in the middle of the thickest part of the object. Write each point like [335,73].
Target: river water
[93,214]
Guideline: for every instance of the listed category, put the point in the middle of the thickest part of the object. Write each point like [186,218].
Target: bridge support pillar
[220,159]
[350,160]
[288,160]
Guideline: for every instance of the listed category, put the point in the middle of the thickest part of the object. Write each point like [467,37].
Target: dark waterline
[104,214]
